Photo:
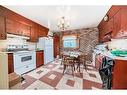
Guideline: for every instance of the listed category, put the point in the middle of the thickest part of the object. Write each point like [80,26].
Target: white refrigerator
[46,44]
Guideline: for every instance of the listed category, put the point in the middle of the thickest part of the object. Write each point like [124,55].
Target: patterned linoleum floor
[50,76]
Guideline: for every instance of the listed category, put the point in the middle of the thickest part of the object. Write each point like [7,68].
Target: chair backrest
[83,57]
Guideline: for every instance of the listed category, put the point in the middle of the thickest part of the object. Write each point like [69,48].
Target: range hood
[50,34]
[17,36]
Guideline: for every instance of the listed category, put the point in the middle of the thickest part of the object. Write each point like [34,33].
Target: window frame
[77,41]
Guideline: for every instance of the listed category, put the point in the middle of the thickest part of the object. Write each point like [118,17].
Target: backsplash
[88,39]
[119,44]
[16,41]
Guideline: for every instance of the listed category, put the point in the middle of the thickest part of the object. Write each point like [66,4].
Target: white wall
[16,41]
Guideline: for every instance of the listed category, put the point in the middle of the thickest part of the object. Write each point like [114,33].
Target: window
[69,41]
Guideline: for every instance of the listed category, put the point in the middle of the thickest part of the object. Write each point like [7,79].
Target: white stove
[24,60]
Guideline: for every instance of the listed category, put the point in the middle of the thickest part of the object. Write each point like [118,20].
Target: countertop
[108,54]
[39,50]
[6,52]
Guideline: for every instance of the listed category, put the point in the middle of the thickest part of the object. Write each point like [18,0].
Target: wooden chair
[81,60]
[68,62]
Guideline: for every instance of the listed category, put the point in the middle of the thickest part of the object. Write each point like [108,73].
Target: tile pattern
[52,82]
[28,81]
[89,85]
[50,76]
[70,83]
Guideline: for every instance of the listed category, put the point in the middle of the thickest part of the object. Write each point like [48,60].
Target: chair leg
[79,67]
[84,66]
[64,69]
[61,62]
[72,70]
[74,67]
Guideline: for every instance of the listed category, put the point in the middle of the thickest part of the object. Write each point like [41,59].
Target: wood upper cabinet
[112,11]
[124,20]
[106,30]
[120,24]
[12,27]
[117,24]
[15,27]
[42,32]
[34,34]
[13,23]
[25,30]
[2,28]
[39,58]
[10,63]
[109,26]
[56,39]
[101,36]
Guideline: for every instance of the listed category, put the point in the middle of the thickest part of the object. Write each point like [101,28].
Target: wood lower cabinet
[119,72]
[39,58]
[56,41]
[119,76]
[2,28]
[10,63]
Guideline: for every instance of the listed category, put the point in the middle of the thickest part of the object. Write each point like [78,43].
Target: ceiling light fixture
[63,23]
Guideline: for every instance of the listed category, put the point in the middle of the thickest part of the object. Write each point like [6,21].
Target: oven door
[24,59]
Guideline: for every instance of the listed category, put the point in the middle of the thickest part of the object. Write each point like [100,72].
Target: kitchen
[27,47]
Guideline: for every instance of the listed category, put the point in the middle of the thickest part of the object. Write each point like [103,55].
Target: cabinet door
[42,32]
[101,36]
[119,77]
[10,63]
[10,26]
[39,58]
[124,21]
[117,25]
[2,28]
[109,26]
[25,30]
[34,34]
[18,28]
[15,27]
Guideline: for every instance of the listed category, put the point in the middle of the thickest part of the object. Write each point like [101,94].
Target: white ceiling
[78,16]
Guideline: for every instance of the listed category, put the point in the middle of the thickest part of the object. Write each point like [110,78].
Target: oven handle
[25,55]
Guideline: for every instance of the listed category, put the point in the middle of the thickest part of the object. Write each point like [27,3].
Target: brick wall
[88,39]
